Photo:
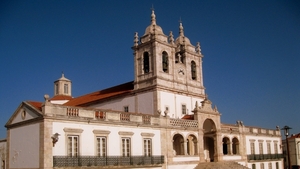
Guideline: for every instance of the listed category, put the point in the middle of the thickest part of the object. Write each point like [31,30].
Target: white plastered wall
[175,101]
[24,147]
[118,104]
[145,103]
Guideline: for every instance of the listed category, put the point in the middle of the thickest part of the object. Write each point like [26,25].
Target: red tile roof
[61,97]
[188,117]
[100,95]
[37,105]
[295,136]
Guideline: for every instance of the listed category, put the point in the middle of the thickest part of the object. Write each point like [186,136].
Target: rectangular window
[72,146]
[126,147]
[66,88]
[56,88]
[270,165]
[183,109]
[275,148]
[262,166]
[101,146]
[147,147]
[252,146]
[261,148]
[126,108]
[268,148]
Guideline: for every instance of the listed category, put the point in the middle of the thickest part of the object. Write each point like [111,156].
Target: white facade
[87,138]
[26,147]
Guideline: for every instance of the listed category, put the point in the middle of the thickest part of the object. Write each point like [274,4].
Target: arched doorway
[209,137]
[178,144]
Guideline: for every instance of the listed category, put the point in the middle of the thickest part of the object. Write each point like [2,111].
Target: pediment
[25,112]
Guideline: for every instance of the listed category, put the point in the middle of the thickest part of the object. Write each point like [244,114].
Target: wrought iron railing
[68,161]
[264,156]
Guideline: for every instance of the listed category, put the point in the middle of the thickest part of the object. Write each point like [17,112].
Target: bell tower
[160,62]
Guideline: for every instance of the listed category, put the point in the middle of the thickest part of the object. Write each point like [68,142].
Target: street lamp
[286,133]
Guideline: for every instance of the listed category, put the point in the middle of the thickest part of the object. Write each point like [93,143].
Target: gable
[27,111]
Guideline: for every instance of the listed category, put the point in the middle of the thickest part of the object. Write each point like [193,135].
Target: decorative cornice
[73,130]
[147,134]
[106,132]
[126,133]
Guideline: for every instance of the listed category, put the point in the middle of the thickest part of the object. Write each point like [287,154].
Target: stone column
[218,156]
[229,146]
[200,145]
[184,146]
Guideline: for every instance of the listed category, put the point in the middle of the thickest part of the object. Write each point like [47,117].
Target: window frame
[101,134]
[193,70]
[146,62]
[147,136]
[183,109]
[73,132]
[252,147]
[165,60]
[66,88]
[126,108]
[125,135]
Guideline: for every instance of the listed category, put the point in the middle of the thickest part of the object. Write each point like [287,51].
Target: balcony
[67,161]
[264,156]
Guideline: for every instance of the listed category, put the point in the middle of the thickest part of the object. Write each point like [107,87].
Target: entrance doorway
[209,137]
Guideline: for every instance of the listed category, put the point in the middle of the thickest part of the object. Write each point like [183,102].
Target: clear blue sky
[251,51]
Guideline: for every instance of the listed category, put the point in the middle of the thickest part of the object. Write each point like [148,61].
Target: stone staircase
[220,165]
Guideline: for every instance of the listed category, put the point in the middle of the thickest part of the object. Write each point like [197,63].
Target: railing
[100,115]
[72,112]
[67,161]
[146,119]
[125,117]
[264,156]
[184,123]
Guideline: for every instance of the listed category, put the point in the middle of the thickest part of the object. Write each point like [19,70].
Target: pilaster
[218,156]
[46,146]
[7,148]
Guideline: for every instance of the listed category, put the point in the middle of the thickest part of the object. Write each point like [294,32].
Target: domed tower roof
[63,78]
[153,27]
[181,38]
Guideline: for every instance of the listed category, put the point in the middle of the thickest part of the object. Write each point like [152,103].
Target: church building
[161,119]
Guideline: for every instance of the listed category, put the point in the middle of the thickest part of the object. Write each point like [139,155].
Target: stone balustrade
[144,119]
[184,123]
[101,115]
[228,128]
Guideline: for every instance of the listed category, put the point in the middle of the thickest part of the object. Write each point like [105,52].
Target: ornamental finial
[136,39]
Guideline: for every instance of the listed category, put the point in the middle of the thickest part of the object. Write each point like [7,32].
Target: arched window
[193,70]
[165,62]
[146,62]
[226,145]
[235,146]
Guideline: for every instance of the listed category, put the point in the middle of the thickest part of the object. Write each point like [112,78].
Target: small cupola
[62,86]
